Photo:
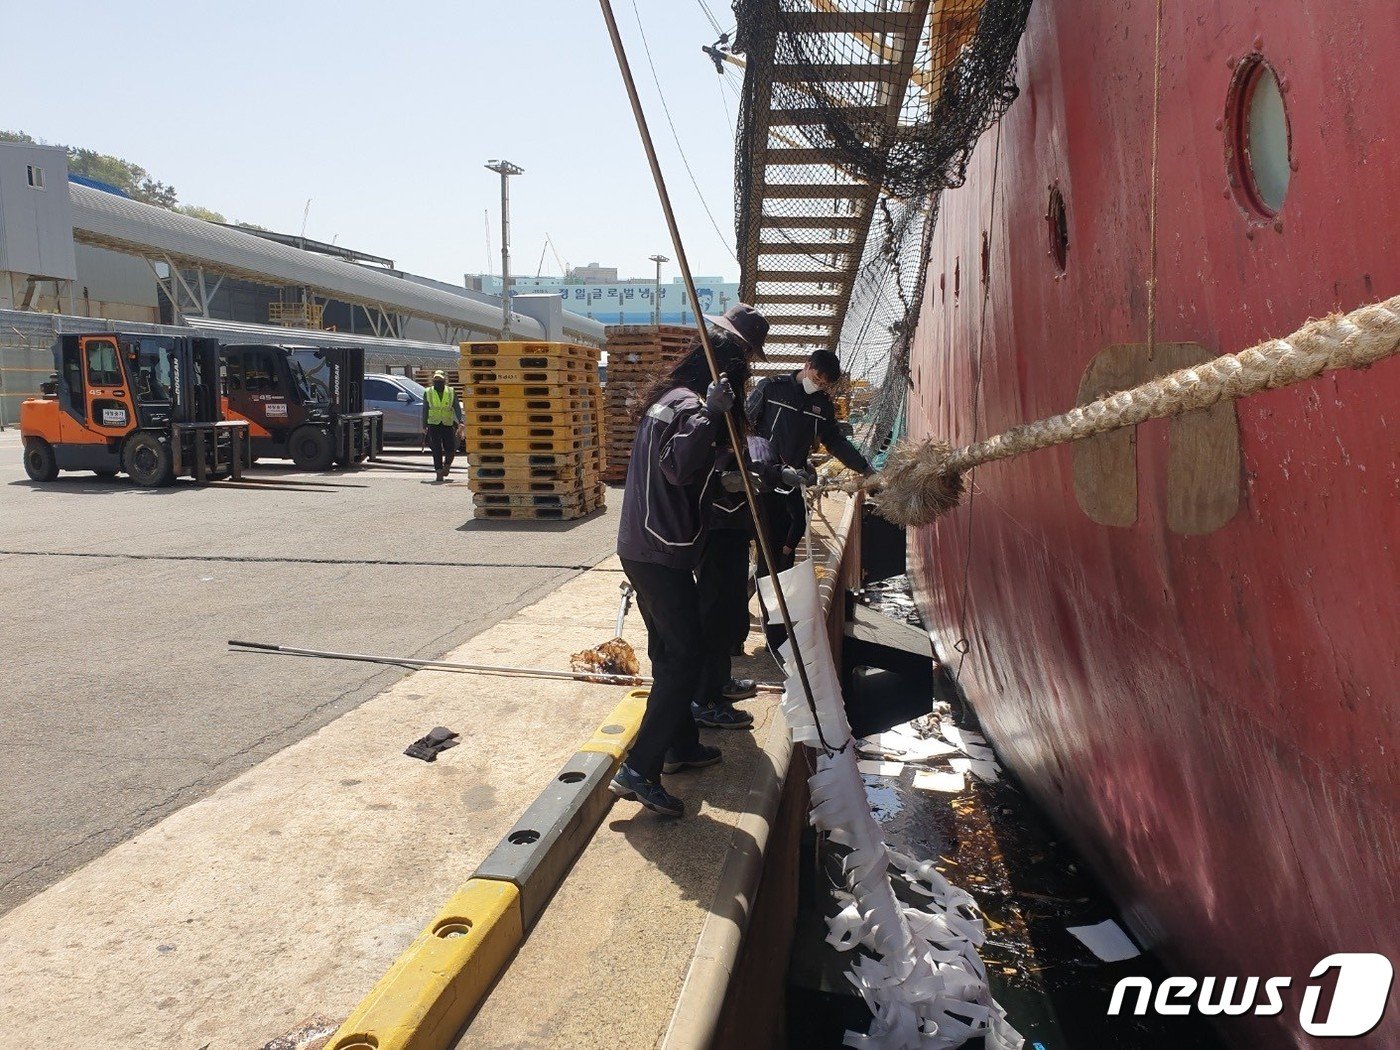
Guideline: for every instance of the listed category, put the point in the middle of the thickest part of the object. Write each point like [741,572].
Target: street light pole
[656,292]
[505,169]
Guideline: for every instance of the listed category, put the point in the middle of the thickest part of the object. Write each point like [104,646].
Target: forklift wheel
[39,461]
[312,449]
[147,460]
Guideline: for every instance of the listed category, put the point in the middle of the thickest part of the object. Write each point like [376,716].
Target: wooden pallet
[573,498]
[583,469]
[523,445]
[498,458]
[506,373]
[536,513]
[474,359]
[477,405]
[424,376]
[516,418]
[585,486]
[637,355]
[519,392]
[525,349]
[477,436]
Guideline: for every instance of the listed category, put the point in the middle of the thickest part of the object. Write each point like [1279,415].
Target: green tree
[132,179]
[199,212]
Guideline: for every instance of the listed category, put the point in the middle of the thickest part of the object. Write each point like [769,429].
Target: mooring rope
[922,481]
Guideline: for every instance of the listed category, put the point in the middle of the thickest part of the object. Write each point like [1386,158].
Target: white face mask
[810,385]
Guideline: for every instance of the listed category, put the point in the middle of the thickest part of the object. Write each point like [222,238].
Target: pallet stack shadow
[534,429]
[637,354]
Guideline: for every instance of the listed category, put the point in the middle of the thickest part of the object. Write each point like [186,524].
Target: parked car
[401,401]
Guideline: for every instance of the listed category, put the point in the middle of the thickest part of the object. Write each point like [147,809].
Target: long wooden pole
[740,450]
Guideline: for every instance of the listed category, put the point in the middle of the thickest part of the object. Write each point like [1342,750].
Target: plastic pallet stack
[637,354]
[534,429]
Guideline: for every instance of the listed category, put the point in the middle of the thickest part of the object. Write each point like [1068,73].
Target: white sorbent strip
[923,981]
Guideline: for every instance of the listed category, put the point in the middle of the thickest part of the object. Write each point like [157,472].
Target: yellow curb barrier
[426,997]
[434,986]
[614,737]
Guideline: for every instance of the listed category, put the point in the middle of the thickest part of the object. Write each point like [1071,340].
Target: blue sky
[383,115]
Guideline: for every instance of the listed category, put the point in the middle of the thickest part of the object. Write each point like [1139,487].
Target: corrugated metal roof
[39,329]
[247,331]
[130,226]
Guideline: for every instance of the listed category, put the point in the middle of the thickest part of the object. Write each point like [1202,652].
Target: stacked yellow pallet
[534,429]
[637,355]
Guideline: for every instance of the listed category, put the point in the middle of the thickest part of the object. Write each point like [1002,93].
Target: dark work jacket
[670,479]
[730,510]
[792,420]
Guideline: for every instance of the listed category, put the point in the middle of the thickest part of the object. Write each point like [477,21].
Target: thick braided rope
[920,482]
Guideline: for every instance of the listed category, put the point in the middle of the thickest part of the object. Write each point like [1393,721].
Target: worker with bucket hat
[672,478]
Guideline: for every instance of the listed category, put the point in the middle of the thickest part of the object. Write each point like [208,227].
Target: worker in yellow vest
[442,419]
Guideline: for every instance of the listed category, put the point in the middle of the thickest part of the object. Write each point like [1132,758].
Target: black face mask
[738,373]
[439,385]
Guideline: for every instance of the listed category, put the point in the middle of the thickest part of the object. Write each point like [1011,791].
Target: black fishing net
[855,115]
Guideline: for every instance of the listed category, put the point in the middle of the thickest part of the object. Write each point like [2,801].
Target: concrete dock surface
[119,702]
[287,892]
[265,886]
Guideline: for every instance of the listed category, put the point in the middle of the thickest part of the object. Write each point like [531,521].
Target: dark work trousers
[723,581]
[787,521]
[670,606]
[442,439]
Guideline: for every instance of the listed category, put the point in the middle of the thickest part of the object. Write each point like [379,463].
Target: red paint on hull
[1211,717]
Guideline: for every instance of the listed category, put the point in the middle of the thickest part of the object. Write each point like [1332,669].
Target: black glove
[719,397]
[429,747]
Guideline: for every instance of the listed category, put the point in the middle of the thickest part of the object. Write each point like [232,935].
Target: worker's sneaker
[703,755]
[739,689]
[720,716]
[631,785]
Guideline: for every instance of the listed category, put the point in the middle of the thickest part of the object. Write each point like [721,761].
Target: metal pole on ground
[735,443]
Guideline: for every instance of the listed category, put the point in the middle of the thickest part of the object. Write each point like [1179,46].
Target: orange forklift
[304,403]
[144,404]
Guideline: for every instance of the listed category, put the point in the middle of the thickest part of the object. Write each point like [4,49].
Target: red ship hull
[1205,701]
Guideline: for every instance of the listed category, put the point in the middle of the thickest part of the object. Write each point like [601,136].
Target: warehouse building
[74,247]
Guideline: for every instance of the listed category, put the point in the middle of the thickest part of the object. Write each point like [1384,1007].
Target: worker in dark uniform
[723,581]
[442,417]
[671,479]
[792,412]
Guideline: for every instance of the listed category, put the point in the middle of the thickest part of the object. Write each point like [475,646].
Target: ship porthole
[1057,226]
[1258,140]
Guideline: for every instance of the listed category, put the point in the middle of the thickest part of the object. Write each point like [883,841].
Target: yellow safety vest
[441,407]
